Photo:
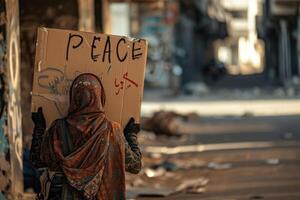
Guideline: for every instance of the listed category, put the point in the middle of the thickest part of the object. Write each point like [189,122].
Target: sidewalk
[222,103]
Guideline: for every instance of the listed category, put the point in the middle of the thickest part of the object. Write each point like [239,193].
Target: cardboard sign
[62,55]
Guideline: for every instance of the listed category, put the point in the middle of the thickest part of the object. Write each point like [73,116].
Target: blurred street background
[221,108]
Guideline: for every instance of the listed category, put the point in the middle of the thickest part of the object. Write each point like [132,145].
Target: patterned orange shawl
[85,146]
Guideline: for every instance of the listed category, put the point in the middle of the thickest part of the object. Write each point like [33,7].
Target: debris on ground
[191,163]
[154,172]
[160,169]
[248,114]
[175,150]
[197,185]
[148,192]
[272,161]
[196,88]
[167,122]
[167,165]
[163,122]
[218,166]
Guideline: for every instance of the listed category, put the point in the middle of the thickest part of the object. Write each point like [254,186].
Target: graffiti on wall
[14,123]
[11,177]
[14,109]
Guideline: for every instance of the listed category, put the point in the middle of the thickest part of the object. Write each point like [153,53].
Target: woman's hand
[132,127]
[133,154]
[38,118]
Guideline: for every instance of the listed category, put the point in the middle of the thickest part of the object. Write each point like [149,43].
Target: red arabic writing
[120,85]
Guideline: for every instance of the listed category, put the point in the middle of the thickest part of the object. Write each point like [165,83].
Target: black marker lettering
[107,49]
[118,53]
[74,46]
[134,54]
[94,57]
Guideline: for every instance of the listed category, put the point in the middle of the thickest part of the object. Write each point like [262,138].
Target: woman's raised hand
[38,118]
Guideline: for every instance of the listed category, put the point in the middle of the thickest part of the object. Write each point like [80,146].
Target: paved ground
[220,108]
[266,168]
[220,102]
[250,177]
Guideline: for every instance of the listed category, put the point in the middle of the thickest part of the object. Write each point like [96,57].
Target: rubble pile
[167,123]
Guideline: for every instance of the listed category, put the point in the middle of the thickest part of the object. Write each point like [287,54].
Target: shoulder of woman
[55,123]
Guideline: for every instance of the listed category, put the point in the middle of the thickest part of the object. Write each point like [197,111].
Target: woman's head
[86,94]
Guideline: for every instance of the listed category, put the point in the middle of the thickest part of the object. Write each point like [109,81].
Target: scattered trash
[160,169]
[272,161]
[175,150]
[151,173]
[248,114]
[168,122]
[217,166]
[190,164]
[148,192]
[168,166]
[163,122]
[155,155]
[196,88]
[193,185]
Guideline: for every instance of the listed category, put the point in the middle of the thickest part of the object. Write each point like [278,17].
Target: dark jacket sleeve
[35,150]
[41,152]
[133,156]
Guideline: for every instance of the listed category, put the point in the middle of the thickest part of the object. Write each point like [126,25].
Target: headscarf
[88,147]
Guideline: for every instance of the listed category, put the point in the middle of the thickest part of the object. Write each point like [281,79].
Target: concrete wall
[11,177]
